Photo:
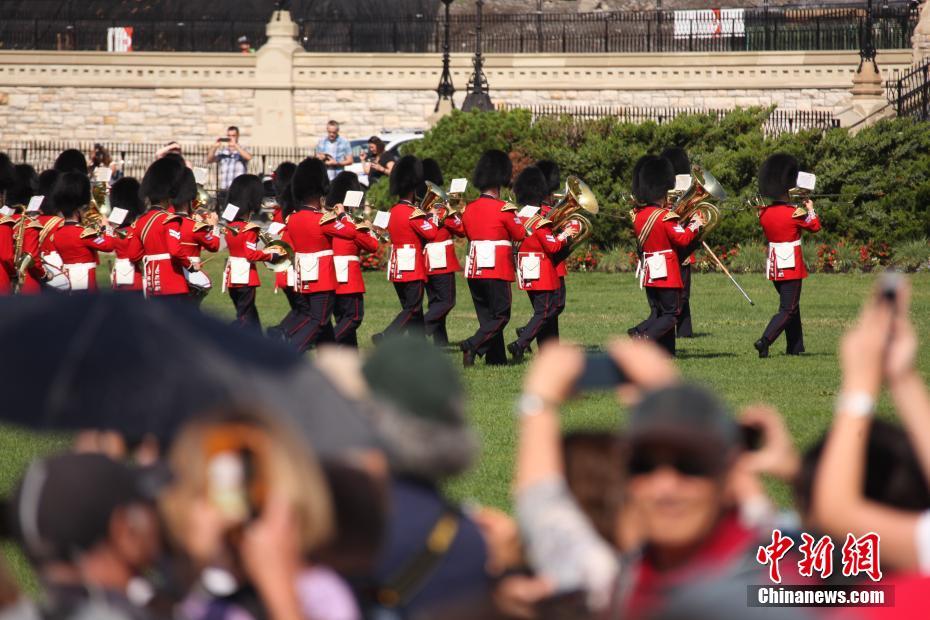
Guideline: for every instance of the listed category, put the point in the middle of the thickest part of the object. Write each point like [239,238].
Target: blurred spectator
[594,463]
[90,528]
[244,487]
[434,555]
[245,47]
[333,150]
[231,159]
[377,162]
[172,148]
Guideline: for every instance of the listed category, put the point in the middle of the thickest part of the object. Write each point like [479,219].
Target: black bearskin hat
[309,181]
[679,158]
[7,173]
[553,175]
[125,195]
[494,169]
[162,179]
[71,192]
[652,178]
[186,190]
[47,181]
[246,192]
[432,172]
[24,187]
[406,176]
[344,182]
[777,175]
[71,160]
[531,187]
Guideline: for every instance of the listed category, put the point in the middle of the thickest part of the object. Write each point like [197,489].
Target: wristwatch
[856,404]
[532,404]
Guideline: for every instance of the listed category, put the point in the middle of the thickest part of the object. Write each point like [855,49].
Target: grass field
[599,307]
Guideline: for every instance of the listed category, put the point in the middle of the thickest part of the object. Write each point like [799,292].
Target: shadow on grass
[707,356]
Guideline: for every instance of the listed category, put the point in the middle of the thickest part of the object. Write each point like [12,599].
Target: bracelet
[856,404]
[529,405]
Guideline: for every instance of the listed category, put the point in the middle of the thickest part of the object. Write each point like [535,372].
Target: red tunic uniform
[409,227]
[36,272]
[7,270]
[345,258]
[78,249]
[667,234]
[535,268]
[163,260]
[491,227]
[561,267]
[197,236]
[440,253]
[782,227]
[311,234]
[127,268]
[243,254]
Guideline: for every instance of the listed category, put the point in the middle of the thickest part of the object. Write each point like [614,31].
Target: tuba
[578,197]
[694,199]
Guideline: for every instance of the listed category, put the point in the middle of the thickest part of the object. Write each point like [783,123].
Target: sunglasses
[645,462]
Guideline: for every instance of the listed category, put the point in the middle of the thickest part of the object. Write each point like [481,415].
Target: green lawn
[599,307]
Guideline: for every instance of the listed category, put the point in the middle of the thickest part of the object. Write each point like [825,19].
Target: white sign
[275,228]
[528,211]
[34,203]
[458,186]
[102,174]
[709,23]
[353,199]
[807,181]
[230,212]
[682,182]
[117,216]
[119,39]
[200,175]
[382,219]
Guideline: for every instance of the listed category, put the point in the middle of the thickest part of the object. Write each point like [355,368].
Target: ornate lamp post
[867,51]
[445,90]
[478,98]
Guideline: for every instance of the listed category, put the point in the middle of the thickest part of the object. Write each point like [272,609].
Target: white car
[392,143]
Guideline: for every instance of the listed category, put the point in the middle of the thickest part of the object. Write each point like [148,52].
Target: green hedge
[882,174]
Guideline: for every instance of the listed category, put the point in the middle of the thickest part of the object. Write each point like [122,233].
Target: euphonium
[100,197]
[434,197]
[578,197]
[92,218]
[703,186]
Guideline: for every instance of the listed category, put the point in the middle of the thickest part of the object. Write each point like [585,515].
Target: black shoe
[762,347]
[633,333]
[468,356]
[376,338]
[520,331]
[516,352]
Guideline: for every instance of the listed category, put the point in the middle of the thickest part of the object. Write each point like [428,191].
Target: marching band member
[159,232]
[659,235]
[554,183]
[127,269]
[782,224]
[409,228]
[284,206]
[50,219]
[681,164]
[441,262]
[312,231]
[7,242]
[240,278]
[492,226]
[78,246]
[349,307]
[536,267]
[196,235]
[18,198]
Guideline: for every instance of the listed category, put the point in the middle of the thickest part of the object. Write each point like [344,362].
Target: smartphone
[600,373]
[224,139]
[888,284]
[751,437]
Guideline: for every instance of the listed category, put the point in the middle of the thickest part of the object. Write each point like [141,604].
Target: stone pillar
[274,92]
[920,41]
[867,104]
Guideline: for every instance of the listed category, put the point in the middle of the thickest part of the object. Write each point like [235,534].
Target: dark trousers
[243,298]
[410,317]
[665,303]
[293,297]
[684,317]
[492,299]
[440,292]
[545,310]
[316,309]
[348,312]
[788,317]
[550,329]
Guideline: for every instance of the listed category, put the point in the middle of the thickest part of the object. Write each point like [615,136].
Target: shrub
[749,258]
[912,255]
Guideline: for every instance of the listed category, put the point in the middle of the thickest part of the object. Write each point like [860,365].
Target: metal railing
[777,122]
[830,27]
[909,92]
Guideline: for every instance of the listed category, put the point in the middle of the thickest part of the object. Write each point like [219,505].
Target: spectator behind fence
[89,526]
[231,159]
[333,150]
[377,162]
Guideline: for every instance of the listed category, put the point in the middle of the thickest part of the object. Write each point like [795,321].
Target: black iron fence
[778,121]
[134,157]
[909,91]
[830,27]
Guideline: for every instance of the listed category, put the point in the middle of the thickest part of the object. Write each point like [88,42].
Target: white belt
[659,252]
[348,258]
[316,254]
[785,245]
[195,260]
[440,244]
[85,266]
[153,257]
[489,243]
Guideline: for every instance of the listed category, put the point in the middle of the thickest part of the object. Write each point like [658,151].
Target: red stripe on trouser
[348,325]
[501,323]
[545,317]
[413,311]
[790,312]
[319,326]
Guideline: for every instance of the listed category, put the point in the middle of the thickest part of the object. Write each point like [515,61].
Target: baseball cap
[685,416]
[64,503]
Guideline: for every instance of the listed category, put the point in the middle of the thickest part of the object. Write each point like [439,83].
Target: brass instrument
[100,197]
[280,262]
[435,196]
[92,218]
[694,200]
[578,197]
[21,259]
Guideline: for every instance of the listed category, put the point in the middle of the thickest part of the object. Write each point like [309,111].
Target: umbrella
[116,361]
